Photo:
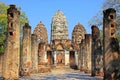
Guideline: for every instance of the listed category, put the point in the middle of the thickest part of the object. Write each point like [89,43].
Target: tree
[98,18]
[3,23]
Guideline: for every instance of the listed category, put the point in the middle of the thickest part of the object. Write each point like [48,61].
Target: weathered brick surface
[87,53]
[12,46]
[42,41]
[26,51]
[34,54]
[110,46]
[78,33]
[41,52]
[59,26]
[97,56]
[41,32]
[82,55]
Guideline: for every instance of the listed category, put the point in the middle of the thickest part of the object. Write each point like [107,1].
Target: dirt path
[60,74]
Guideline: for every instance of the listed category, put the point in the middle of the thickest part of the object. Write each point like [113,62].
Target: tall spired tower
[78,33]
[59,26]
[41,33]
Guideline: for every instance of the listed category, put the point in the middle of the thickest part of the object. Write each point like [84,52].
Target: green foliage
[2,40]
[3,16]
[23,19]
[3,23]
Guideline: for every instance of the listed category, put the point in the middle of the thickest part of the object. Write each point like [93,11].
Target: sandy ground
[61,74]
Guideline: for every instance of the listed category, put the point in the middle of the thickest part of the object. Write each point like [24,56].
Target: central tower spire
[59,26]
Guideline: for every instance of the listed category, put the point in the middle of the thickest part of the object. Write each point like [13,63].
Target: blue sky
[43,10]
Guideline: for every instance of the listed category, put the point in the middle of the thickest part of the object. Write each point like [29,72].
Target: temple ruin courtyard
[79,58]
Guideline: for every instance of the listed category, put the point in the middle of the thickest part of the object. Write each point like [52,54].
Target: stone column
[97,61]
[82,55]
[26,51]
[34,53]
[12,46]
[45,55]
[111,54]
[79,60]
[88,53]
[93,57]
[76,58]
[55,63]
[67,58]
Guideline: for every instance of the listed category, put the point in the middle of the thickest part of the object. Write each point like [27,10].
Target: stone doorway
[59,58]
[49,57]
[41,52]
[72,60]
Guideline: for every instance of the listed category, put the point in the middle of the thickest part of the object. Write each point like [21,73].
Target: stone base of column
[25,72]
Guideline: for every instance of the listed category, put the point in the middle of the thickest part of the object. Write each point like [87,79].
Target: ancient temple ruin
[61,51]
[83,52]
[59,35]
[78,35]
[42,41]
